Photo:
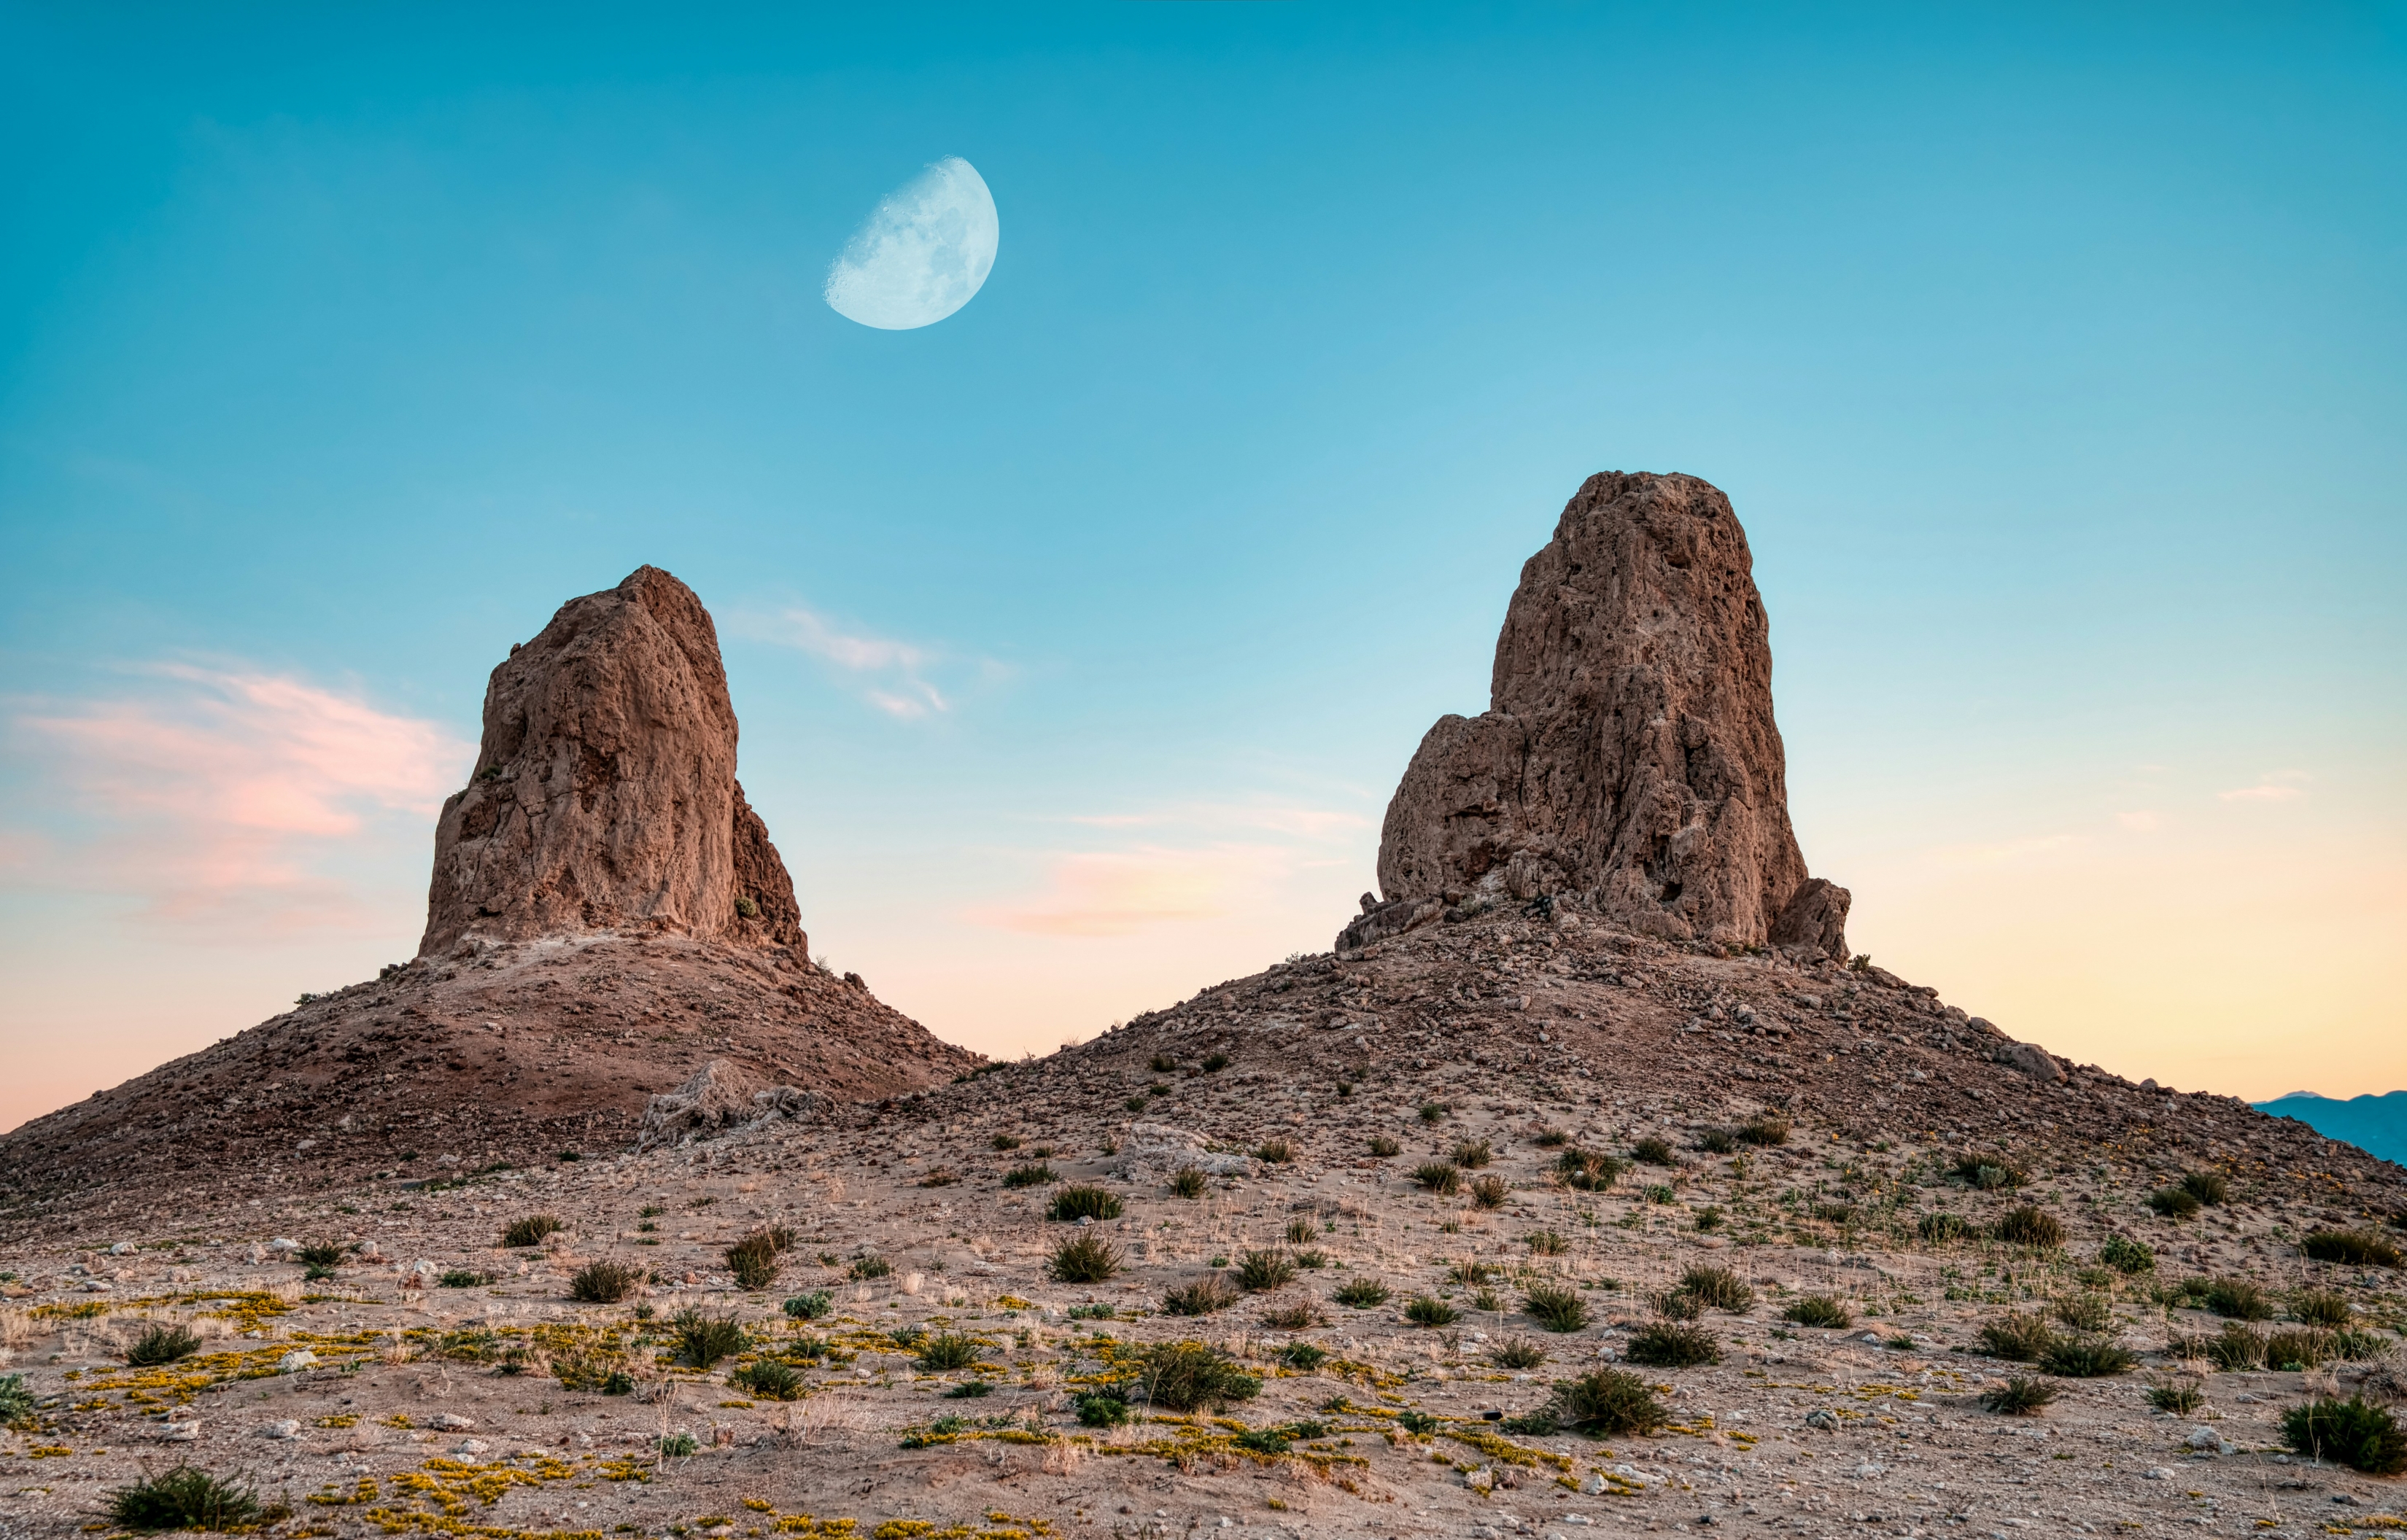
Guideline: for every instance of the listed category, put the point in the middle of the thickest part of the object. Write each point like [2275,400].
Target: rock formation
[605,793]
[1627,762]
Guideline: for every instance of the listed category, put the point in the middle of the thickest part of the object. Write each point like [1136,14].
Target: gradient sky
[2052,358]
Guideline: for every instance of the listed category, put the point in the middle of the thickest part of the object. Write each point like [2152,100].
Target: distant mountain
[2375,1125]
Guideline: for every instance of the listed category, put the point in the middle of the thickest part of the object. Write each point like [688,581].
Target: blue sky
[2052,357]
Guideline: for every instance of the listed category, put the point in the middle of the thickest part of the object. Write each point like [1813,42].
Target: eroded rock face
[1629,760]
[605,793]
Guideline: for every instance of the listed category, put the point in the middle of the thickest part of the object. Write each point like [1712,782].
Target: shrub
[1668,1345]
[1717,1141]
[1162,1064]
[2180,1397]
[1941,1228]
[2206,1186]
[1438,1177]
[1433,1112]
[1257,1270]
[1471,1271]
[1104,1406]
[1556,1306]
[1470,1154]
[1653,1152]
[1989,1172]
[1037,1174]
[2239,1300]
[810,1307]
[1764,1131]
[947,1351]
[1656,1194]
[1185,1376]
[1188,1181]
[321,1257]
[865,1268]
[161,1344]
[810,1349]
[1835,1213]
[1311,1259]
[2356,1248]
[1362,1294]
[2020,1396]
[1606,1402]
[1551,1139]
[1274,1151]
[1300,1315]
[1382,1146]
[462,1278]
[1215,1063]
[1587,1171]
[16,1402]
[1547,1243]
[2087,1358]
[2085,1312]
[768,1379]
[2030,1225]
[2319,1308]
[1302,1356]
[1718,1287]
[1300,1230]
[2351,1431]
[1818,1310]
[1673,1305]
[678,1446]
[532,1230]
[2297,1349]
[1490,1193]
[1084,1258]
[1516,1352]
[2235,1347]
[2173,1202]
[186,1498]
[969,1390]
[753,1259]
[2126,1256]
[2020,1337]
[1201,1297]
[1429,1310]
[1083,1200]
[704,1340]
[603,1282]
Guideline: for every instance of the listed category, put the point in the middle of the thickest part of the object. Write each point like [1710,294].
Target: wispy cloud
[2273,787]
[200,788]
[890,675]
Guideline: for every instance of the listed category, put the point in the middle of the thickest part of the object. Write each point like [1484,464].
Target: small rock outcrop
[721,1096]
[1627,762]
[605,793]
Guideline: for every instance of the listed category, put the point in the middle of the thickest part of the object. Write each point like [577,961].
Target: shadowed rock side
[1628,761]
[604,791]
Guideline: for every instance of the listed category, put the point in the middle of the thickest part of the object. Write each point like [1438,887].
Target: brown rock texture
[605,793]
[1628,761]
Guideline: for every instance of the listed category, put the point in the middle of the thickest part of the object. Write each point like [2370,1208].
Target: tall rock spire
[1628,761]
[605,793]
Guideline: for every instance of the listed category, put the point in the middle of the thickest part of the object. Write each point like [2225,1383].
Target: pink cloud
[1117,893]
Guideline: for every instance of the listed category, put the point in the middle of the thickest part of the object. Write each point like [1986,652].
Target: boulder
[1627,760]
[1152,1151]
[604,795]
[2032,1060]
[720,1096]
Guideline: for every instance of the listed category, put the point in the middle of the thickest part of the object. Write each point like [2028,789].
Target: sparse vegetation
[1551,1139]
[2128,1257]
[2087,1358]
[1717,1287]
[1516,1352]
[2208,1187]
[1671,1304]
[1433,1112]
[1035,1174]
[1556,1306]
[2238,1299]
[2356,1248]
[1162,1064]
[1470,1154]
[1382,1147]
[2030,1225]
[1607,1402]
[1361,1294]
[1939,1229]
[1717,1141]
[1587,1171]
[1987,1173]
[16,1402]
[1672,1345]
[2319,1308]
[1104,1406]
[160,1343]
[187,1498]
[2353,1433]
[753,1259]
[1822,1311]
[1274,1151]
[1490,1193]
[2180,1397]
[1083,1200]
[2020,1396]
[704,1340]
[1201,1297]
[1257,1270]
[864,1269]
[1215,1063]
[1764,1131]
[1185,1376]
[1084,1258]
[603,1282]
[1440,1177]
[2173,1202]
[1652,1151]
[1429,1310]
[531,1230]
[769,1379]
[1188,1181]
[1301,1231]
[1547,1243]
[2086,1312]
[2024,1338]
[1301,1316]
[1302,1356]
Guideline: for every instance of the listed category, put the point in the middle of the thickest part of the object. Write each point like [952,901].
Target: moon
[922,254]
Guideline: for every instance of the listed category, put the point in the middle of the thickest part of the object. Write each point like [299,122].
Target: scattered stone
[296,1361]
[289,1428]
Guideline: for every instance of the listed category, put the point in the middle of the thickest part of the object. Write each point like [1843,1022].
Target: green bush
[2297,1350]
[187,1498]
[1717,1141]
[1516,1352]
[1035,1175]
[1587,1171]
[161,1344]
[321,1257]
[1382,1147]
[2319,1308]
[768,1379]
[2020,1396]
[2239,1300]
[810,1307]
[1433,1112]
[2024,1338]
[531,1230]
[603,1282]
[753,1259]
[947,1351]
[2206,1186]
[2030,1225]
[1989,1172]
[2087,1358]
[1652,1151]
[2180,1397]
[1556,1306]
[1188,1181]
[1104,1406]
[1427,1310]
[2356,1248]
[1489,1192]
[1185,1376]
[1667,1345]
[2173,1202]
[2086,1312]
[1673,1305]
[1608,1403]
[1821,1310]
[1941,1228]
[16,1402]
[678,1446]
[1764,1131]
[2129,1257]
[1362,1294]
[2234,1348]
[1440,1177]
[1083,1200]
[2351,1431]
[1718,1287]
[1215,1063]
[1470,1154]
[460,1277]
[1259,1270]
[1302,1356]
[704,1340]
[865,1268]
[1201,1297]
[1084,1259]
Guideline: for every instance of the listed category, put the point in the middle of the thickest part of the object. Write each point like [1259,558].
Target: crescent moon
[922,254]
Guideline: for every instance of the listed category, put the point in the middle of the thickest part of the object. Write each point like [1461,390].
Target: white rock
[181,1432]
[1868,1470]
[453,1422]
[470,1447]
[286,1429]
[122,1249]
[1482,1480]
[295,1360]
[2160,1473]
[2208,1441]
[282,1244]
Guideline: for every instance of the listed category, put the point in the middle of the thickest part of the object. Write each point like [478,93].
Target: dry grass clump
[1556,1306]
[1547,1243]
[1587,1171]
[2173,1202]
[1259,1270]
[532,1230]
[1470,1154]
[160,1343]
[1516,1352]
[2030,1225]
[1764,1131]
[1274,1151]
[1652,1151]
[2319,1308]
[2181,1397]
[1429,1310]
[1084,1258]
[1301,1316]
[2020,1396]
[1941,1228]
[1672,1345]
[703,1340]
[1382,1147]
[1035,1174]
[1717,1141]
[1987,1173]
[2238,1299]
[1362,1294]
[190,1498]
[2208,1187]
[1083,1200]
[768,1379]
[2086,1312]
[1188,1181]
[2356,1248]
[2024,1338]
[753,1259]
[603,1282]
[1819,1310]
[2087,1358]
[1201,1297]
[1490,1193]
[1185,1377]
[1717,1288]
[1607,1402]
[1443,1177]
